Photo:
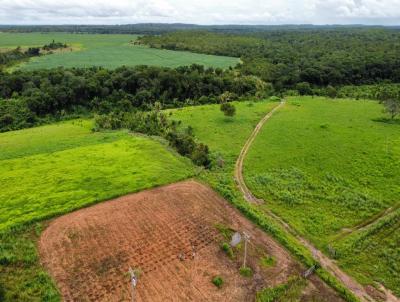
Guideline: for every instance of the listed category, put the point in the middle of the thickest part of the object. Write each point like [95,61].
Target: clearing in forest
[173,236]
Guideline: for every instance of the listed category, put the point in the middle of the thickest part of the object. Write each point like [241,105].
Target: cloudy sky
[385,12]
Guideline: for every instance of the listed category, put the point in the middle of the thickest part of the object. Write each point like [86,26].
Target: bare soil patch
[89,252]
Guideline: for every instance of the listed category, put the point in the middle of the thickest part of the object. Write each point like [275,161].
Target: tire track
[358,290]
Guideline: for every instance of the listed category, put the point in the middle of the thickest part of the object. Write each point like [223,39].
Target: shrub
[228,109]
[218,281]
[200,155]
[267,261]
[304,88]
[228,250]
[246,271]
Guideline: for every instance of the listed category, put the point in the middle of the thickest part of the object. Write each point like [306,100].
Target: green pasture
[54,169]
[224,135]
[326,166]
[109,51]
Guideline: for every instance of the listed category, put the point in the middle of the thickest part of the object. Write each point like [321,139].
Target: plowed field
[170,234]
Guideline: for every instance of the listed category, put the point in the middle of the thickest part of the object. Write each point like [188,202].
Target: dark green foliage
[334,56]
[304,88]
[15,114]
[13,56]
[246,271]
[2,293]
[54,45]
[155,122]
[218,281]
[331,91]
[228,109]
[59,91]
[33,51]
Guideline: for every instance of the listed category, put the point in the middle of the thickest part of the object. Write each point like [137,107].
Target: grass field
[67,167]
[326,165]
[109,51]
[54,169]
[224,135]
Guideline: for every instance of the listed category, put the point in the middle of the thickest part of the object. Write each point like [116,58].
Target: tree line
[159,28]
[10,57]
[156,122]
[29,97]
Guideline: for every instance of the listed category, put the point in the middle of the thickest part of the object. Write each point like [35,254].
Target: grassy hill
[110,51]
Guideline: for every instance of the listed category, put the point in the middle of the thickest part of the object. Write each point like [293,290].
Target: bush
[228,250]
[218,281]
[331,91]
[267,261]
[228,109]
[304,88]
[200,155]
[246,271]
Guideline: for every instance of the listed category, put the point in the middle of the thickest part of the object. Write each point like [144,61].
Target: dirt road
[327,263]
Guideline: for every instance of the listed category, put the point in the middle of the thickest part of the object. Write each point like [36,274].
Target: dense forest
[31,96]
[285,58]
[159,28]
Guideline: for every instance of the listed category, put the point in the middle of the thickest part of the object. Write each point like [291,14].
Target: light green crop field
[54,169]
[109,51]
[326,166]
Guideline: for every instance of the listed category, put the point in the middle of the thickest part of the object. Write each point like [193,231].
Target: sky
[369,12]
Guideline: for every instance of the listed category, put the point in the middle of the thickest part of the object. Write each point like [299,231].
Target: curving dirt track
[89,252]
[327,263]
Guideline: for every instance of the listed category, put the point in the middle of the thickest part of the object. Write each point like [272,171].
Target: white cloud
[203,12]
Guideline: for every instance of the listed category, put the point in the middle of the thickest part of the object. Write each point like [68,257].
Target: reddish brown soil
[89,252]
